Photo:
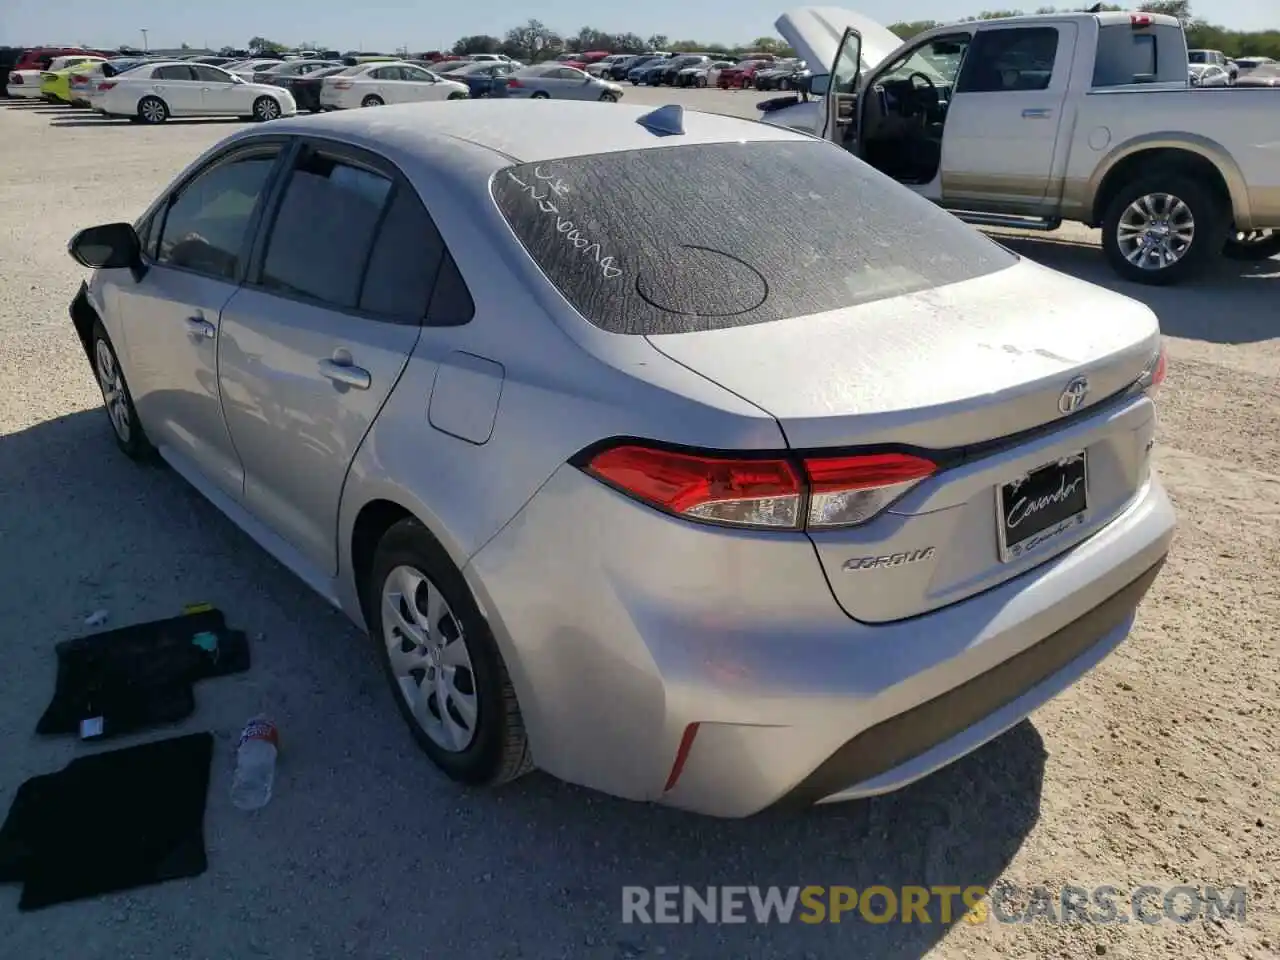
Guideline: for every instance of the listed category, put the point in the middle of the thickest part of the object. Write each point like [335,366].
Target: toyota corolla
[680,456]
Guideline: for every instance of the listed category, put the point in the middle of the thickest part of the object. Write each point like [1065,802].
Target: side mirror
[110,246]
[820,84]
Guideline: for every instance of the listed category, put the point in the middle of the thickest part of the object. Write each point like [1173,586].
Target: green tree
[479,43]
[658,41]
[263,45]
[908,29]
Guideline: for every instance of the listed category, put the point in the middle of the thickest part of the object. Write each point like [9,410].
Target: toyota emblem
[1072,398]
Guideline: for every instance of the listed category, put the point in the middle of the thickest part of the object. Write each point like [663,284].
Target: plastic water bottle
[255,764]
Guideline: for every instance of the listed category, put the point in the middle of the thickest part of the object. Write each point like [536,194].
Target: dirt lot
[1159,768]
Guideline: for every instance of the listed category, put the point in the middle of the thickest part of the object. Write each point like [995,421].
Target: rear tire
[495,749]
[540,95]
[152,110]
[1164,214]
[373,100]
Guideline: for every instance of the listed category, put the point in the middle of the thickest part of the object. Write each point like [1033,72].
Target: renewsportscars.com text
[973,904]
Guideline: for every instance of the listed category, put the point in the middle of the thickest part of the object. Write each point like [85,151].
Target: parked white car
[245,69]
[702,75]
[1208,75]
[26,83]
[379,83]
[154,93]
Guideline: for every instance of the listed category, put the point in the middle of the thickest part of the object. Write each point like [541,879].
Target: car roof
[523,131]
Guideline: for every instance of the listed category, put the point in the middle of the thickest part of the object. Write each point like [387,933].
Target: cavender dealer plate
[1036,508]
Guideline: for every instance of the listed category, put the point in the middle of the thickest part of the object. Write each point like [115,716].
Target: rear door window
[324,230]
[703,237]
[173,72]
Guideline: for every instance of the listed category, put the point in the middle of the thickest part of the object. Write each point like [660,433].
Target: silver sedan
[554,81]
[684,457]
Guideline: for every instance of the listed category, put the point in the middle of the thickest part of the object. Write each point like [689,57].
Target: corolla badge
[1073,396]
[889,560]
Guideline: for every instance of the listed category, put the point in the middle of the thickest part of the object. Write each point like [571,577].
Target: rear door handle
[346,373]
[1036,113]
[200,327]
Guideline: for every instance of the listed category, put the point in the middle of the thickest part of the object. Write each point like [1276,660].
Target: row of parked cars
[763,71]
[153,89]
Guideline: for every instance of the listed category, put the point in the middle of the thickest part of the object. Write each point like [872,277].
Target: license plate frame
[1061,487]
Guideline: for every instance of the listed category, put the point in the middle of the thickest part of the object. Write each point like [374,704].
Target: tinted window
[207,74]
[1015,59]
[1129,56]
[404,262]
[324,230]
[702,237]
[173,72]
[206,225]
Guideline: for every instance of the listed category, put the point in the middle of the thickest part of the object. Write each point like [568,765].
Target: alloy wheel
[1156,231]
[429,658]
[114,397]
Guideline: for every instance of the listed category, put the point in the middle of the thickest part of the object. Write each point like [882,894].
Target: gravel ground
[1160,767]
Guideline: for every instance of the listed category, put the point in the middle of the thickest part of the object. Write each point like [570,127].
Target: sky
[436,24]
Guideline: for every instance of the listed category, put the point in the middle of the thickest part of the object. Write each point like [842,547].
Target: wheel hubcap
[268,110]
[1156,231]
[429,658]
[152,111]
[113,396]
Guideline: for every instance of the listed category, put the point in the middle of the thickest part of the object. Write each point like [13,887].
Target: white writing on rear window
[545,189]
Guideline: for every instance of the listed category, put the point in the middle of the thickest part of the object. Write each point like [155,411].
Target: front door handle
[200,327]
[1036,113]
[346,373]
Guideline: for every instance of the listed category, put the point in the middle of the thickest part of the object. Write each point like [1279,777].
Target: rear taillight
[78,78]
[512,82]
[1154,373]
[342,84]
[15,79]
[778,492]
[106,85]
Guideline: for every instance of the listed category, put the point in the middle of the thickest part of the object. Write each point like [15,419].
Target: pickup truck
[1029,121]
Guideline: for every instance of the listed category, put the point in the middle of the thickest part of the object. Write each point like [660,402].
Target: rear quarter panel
[564,385]
[1237,130]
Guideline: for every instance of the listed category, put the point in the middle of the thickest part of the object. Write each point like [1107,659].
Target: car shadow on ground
[1197,309]
[358,807]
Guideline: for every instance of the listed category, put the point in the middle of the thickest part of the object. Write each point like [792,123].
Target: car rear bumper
[633,637]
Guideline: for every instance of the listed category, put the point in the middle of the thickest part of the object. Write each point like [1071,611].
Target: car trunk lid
[991,378]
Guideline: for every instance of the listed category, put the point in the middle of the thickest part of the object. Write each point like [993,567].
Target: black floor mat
[139,676]
[107,822]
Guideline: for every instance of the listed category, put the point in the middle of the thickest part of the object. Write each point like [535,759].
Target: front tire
[1252,247]
[116,398]
[540,95]
[608,97]
[1163,228]
[152,110]
[447,676]
[266,109]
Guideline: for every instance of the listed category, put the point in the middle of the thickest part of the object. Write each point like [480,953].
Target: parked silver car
[642,444]
[555,81]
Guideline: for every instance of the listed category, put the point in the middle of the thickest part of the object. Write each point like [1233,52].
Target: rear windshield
[705,237]
[1149,55]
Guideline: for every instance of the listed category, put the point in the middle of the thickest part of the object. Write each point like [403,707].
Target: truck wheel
[1162,228]
[1252,246]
